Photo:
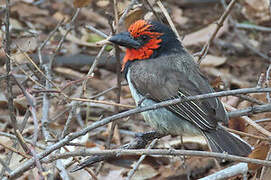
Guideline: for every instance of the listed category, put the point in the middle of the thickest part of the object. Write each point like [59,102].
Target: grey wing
[161,86]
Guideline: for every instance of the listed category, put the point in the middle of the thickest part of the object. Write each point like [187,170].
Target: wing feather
[178,80]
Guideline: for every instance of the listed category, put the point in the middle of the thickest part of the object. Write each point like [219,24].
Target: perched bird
[158,68]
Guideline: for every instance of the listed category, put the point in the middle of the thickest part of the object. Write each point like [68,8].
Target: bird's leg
[142,139]
[139,142]
[149,136]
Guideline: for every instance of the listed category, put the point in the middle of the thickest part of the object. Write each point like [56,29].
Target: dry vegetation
[62,90]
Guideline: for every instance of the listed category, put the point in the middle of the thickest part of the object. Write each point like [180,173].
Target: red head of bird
[146,39]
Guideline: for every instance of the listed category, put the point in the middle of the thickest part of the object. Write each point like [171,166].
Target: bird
[157,68]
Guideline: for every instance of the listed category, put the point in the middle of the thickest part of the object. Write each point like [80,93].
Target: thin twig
[102,102]
[8,69]
[97,58]
[70,25]
[97,31]
[267,79]
[28,76]
[5,166]
[47,40]
[250,122]
[250,99]
[243,39]
[103,92]
[253,27]
[15,150]
[32,103]
[132,172]
[8,77]
[87,169]
[129,7]
[219,24]
[28,164]
[15,140]
[240,168]
[69,119]
[247,134]
[29,141]
[161,152]
[164,10]
[114,29]
[250,110]
[263,120]
[153,11]
[268,158]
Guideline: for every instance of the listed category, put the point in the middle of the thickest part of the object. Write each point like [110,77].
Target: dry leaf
[213,61]
[227,77]
[256,10]
[133,16]
[60,16]
[49,22]
[113,174]
[15,24]
[260,152]
[21,103]
[78,41]
[267,174]
[25,44]
[3,101]
[28,1]
[90,144]
[217,83]
[145,172]
[81,3]
[177,16]
[103,3]
[232,100]
[203,35]
[199,140]
[94,18]
[55,126]
[27,10]
[237,124]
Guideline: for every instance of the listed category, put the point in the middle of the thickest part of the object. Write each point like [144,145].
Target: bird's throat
[144,52]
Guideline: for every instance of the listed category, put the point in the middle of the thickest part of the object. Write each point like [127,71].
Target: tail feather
[222,141]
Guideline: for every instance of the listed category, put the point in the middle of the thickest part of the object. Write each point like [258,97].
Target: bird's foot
[149,136]
[140,142]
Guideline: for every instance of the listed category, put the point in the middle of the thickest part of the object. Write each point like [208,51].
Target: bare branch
[240,168]
[17,172]
[219,25]
[163,9]
[162,152]
[251,122]
[132,172]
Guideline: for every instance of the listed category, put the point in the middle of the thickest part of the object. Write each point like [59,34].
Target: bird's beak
[125,39]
